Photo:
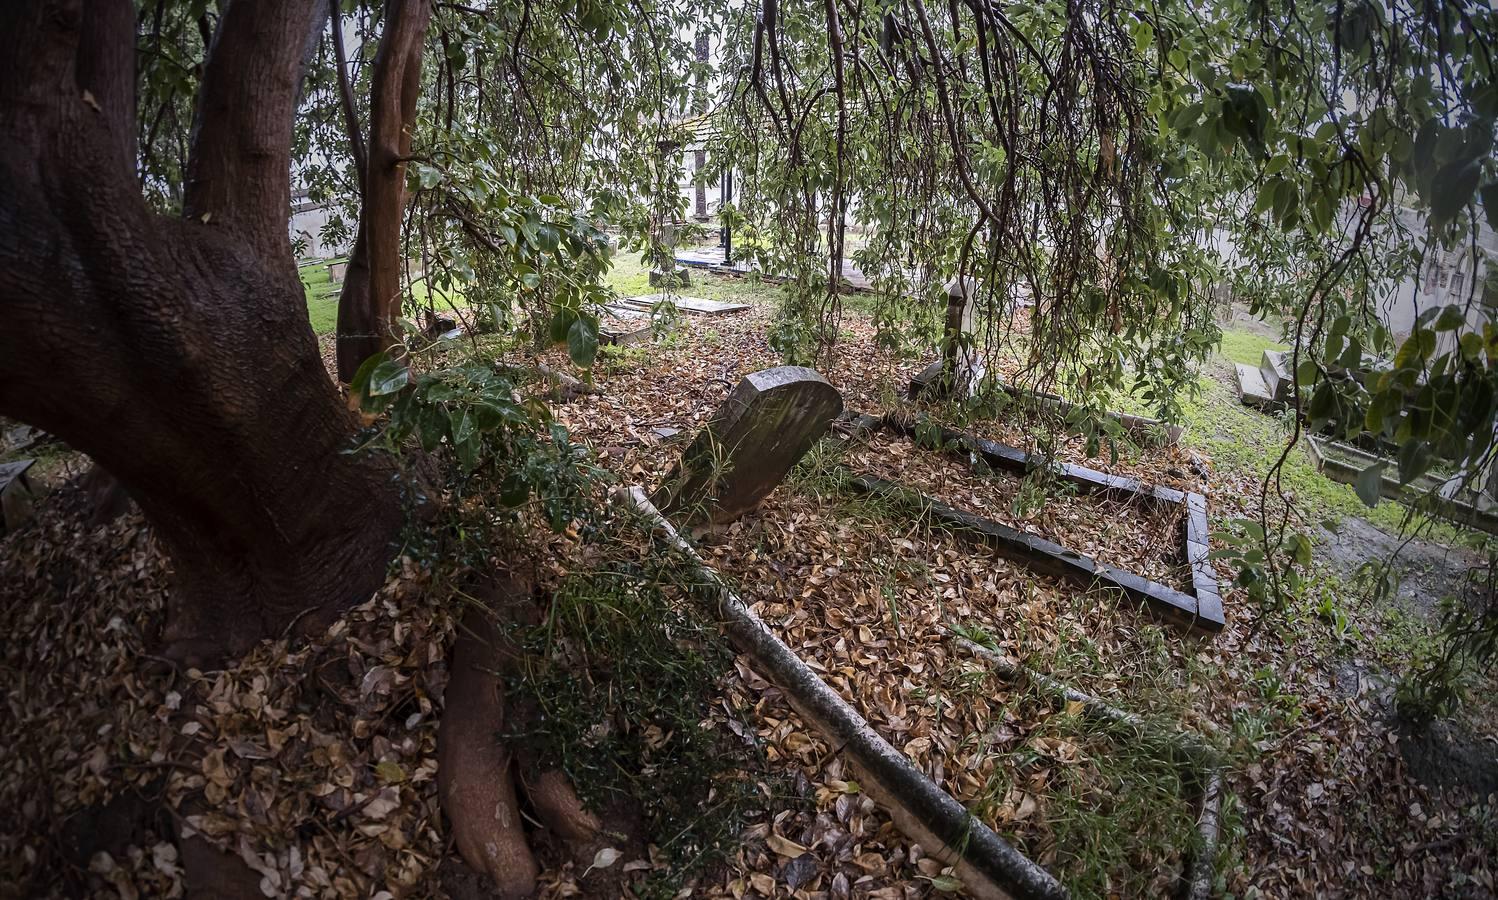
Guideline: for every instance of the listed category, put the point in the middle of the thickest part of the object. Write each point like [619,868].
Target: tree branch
[346,93]
[106,69]
[239,165]
[372,284]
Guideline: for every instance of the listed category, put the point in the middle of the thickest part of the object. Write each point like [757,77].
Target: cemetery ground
[318,758]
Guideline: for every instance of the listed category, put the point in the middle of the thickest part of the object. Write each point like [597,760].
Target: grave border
[989,865]
[1200,611]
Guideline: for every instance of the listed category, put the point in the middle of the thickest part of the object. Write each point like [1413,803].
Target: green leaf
[428,176]
[1455,184]
[1490,204]
[561,324]
[1471,346]
[387,377]
[360,385]
[1306,374]
[582,342]
[547,238]
[515,490]
[1369,485]
[468,453]
[1414,460]
[431,427]
[462,426]
[1450,319]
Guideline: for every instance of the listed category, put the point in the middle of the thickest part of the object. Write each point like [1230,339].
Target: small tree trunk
[369,302]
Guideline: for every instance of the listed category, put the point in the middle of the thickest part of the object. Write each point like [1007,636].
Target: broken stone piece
[678,277]
[16,494]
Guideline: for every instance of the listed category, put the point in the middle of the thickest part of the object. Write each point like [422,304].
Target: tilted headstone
[768,423]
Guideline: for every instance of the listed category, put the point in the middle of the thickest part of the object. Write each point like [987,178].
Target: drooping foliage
[1116,168]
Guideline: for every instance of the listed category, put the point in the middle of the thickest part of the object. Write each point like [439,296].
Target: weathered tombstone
[768,423]
[1275,366]
[679,277]
[15,494]
[960,368]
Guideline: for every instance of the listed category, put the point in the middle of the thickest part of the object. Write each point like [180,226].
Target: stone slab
[1253,390]
[694,305]
[16,494]
[628,313]
[623,337]
[764,427]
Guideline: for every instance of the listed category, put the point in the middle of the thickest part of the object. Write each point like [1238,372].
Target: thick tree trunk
[177,353]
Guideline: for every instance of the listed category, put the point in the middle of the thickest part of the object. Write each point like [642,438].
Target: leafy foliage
[626,626]
[474,415]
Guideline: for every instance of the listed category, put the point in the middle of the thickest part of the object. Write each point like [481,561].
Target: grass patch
[322,295]
[1247,348]
[629,277]
[1245,442]
[1074,791]
[623,671]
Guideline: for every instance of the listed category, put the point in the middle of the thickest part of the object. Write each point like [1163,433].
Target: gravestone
[1275,366]
[679,277]
[768,423]
[960,368]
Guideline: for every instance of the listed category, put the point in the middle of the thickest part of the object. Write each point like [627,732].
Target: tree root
[478,775]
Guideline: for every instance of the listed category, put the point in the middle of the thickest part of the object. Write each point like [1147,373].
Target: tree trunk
[177,353]
[370,298]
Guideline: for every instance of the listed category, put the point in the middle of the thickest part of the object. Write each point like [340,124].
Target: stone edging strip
[987,864]
[1198,611]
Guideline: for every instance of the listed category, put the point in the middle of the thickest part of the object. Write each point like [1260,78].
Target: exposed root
[478,774]
[474,768]
[105,496]
[560,809]
[210,872]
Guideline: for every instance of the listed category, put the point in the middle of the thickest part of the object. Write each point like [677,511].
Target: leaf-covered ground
[317,758]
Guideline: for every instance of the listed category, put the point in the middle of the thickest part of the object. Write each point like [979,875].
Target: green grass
[630,278]
[322,296]
[1247,348]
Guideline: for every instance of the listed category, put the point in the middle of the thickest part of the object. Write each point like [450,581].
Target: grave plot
[867,599]
[696,306]
[954,811]
[623,326]
[1157,556]
[1131,533]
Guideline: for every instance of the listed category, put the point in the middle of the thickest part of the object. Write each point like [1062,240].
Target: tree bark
[177,353]
[370,298]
